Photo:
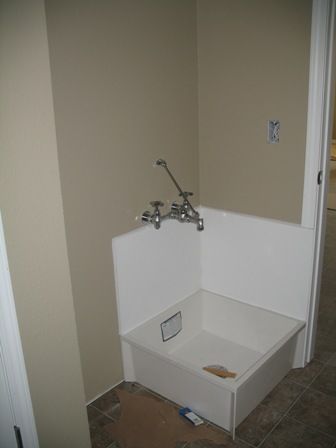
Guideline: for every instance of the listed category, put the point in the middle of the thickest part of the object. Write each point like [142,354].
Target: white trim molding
[317,98]
[13,355]
[319,125]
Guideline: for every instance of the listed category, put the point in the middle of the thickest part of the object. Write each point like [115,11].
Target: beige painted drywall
[30,201]
[124,76]
[334,124]
[253,66]
[125,80]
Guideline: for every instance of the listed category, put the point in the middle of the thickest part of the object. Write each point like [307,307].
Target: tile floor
[299,413]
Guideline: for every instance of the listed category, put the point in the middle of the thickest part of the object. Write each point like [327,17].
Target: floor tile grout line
[290,408]
[305,388]
[315,429]
[324,362]
[104,413]
[322,393]
[270,432]
[309,386]
[244,442]
[323,369]
[331,359]
[296,400]
[324,365]
[283,416]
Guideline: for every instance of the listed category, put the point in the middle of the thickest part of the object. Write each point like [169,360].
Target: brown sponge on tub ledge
[220,371]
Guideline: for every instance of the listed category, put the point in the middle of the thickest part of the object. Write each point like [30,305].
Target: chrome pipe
[163,163]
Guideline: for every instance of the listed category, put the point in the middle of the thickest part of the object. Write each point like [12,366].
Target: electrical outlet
[273,131]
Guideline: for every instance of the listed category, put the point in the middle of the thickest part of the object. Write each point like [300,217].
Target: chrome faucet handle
[156,204]
[156,217]
[186,205]
[186,194]
[175,207]
[175,210]
[146,217]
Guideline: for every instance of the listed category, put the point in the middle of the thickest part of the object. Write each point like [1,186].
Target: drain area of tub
[206,348]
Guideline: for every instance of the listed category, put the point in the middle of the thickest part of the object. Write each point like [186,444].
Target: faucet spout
[157,222]
[195,219]
[200,224]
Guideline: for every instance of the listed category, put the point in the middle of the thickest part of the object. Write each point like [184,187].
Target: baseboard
[102,393]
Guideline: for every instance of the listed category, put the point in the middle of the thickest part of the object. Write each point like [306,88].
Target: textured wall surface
[31,206]
[253,66]
[125,93]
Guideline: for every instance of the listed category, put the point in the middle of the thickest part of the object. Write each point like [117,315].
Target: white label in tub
[171,327]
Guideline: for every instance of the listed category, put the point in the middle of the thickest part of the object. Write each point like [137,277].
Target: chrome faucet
[184,212]
[155,217]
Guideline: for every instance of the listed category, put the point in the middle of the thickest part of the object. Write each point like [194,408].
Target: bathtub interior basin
[257,344]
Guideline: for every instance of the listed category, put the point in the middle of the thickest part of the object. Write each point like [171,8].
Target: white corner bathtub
[257,344]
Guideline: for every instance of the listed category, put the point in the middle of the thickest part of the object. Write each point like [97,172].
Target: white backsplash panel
[154,269]
[261,262]
[258,261]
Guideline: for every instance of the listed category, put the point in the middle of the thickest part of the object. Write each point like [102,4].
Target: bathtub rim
[200,291]
[230,384]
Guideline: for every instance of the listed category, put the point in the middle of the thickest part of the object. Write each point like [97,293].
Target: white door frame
[13,354]
[319,128]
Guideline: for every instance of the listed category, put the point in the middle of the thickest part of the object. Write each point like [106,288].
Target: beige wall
[125,93]
[125,81]
[30,201]
[253,66]
[334,123]
[125,89]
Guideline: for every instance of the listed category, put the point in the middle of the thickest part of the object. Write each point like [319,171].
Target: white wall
[154,269]
[259,261]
